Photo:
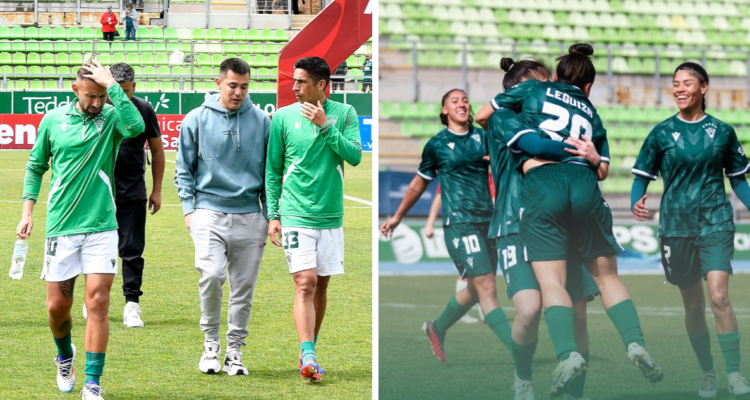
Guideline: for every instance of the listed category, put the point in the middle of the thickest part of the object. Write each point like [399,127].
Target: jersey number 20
[552,126]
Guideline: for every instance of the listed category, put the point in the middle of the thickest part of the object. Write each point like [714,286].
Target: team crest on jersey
[742,152]
[710,129]
[476,137]
[99,123]
[451,145]
[456,242]
[675,135]
[470,260]
[332,118]
[297,125]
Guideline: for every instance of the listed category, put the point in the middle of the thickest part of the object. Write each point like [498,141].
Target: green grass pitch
[478,366]
[160,361]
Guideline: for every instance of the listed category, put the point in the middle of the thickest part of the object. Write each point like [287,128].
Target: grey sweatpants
[227,245]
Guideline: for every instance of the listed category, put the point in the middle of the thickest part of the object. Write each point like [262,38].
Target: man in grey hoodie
[220,180]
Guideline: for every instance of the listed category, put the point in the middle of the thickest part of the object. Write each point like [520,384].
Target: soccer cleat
[311,370]
[209,363]
[708,384]
[233,364]
[738,386]
[66,375]
[131,317]
[436,340]
[641,359]
[92,391]
[523,389]
[565,372]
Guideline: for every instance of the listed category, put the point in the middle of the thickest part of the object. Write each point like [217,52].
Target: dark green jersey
[558,110]
[459,161]
[504,130]
[690,157]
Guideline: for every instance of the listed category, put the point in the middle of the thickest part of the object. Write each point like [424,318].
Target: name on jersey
[568,99]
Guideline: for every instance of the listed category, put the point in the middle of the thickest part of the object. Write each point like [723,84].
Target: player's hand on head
[315,113]
[99,73]
[274,230]
[640,211]
[23,230]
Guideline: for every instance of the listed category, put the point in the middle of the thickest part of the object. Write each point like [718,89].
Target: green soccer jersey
[458,158]
[558,110]
[83,150]
[690,157]
[305,165]
[504,130]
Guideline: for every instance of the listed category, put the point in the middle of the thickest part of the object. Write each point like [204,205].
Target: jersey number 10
[553,126]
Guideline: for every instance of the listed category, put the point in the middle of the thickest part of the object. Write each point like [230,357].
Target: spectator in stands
[109,22]
[130,20]
[265,6]
[338,83]
[295,6]
[367,68]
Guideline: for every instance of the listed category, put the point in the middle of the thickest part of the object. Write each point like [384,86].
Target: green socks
[523,356]
[308,351]
[94,366]
[64,348]
[625,319]
[730,347]
[702,348]
[561,330]
[576,386]
[498,322]
[452,313]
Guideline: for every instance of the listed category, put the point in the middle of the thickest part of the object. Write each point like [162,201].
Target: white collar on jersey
[692,122]
[460,134]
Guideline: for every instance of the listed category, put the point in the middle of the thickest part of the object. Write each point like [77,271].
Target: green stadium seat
[242,48]
[18,33]
[253,35]
[166,85]
[353,62]
[172,46]
[118,58]
[170,34]
[33,47]
[267,35]
[256,49]
[62,59]
[163,71]
[206,73]
[198,34]
[18,46]
[46,46]
[32,33]
[149,70]
[75,47]
[200,47]
[152,86]
[35,69]
[253,86]
[162,59]
[102,47]
[143,34]
[261,73]
[76,59]
[147,59]
[59,33]
[97,33]
[45,33]
[131,47]
[86,33]
[117,47]
[280,36]
[214,48]
[5,32]
[226,34]
[240,35]
[259,61]
[6,69]
[21,71]
[178,71]
[247,58]
[33,59]
[145,47]
[22,85]
[228,48]
[156,34]
[105,59]
[273,61]
[60,47]
[270,49]
[63,70]
[160,47]
[212,34]
[268,86]
[51,85]
[203,60]
[5,46]
[73,34]
[37,85]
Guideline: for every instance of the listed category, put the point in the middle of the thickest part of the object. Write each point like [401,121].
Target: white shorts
[66,257]
[314,248]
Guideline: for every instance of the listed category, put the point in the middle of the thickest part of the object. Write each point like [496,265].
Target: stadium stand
[633,39]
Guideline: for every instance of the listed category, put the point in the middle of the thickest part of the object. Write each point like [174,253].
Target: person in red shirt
[109,23]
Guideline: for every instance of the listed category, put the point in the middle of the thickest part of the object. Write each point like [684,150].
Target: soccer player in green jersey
[696,226]
[458,155]
[82,139]
[508,151]
[565,216]
[308,144]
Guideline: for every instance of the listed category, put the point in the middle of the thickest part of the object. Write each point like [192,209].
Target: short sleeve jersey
[558,110]
[690,157]
[504,129]
[459,161]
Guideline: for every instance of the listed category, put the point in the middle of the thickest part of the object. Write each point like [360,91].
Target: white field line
[742,313]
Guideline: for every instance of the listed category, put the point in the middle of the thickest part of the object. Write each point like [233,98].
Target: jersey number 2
[553,126]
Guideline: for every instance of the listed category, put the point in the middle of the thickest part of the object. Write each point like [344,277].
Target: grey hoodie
[221,158]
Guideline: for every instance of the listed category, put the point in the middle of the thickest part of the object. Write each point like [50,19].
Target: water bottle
[19,258]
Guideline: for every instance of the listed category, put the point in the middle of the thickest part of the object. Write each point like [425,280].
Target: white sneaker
[565,372]
[738,385]
[66,375]
[92,391]
[210,363]
[524,390]
[85,312]
[708,384]
[233,364]
[641,359]
[131,317]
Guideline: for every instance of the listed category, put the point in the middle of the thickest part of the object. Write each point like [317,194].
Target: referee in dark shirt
[132,196]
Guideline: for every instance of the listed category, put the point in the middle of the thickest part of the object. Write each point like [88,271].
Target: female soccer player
[696,229]
[565,215]
[523,288]
[458,154]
